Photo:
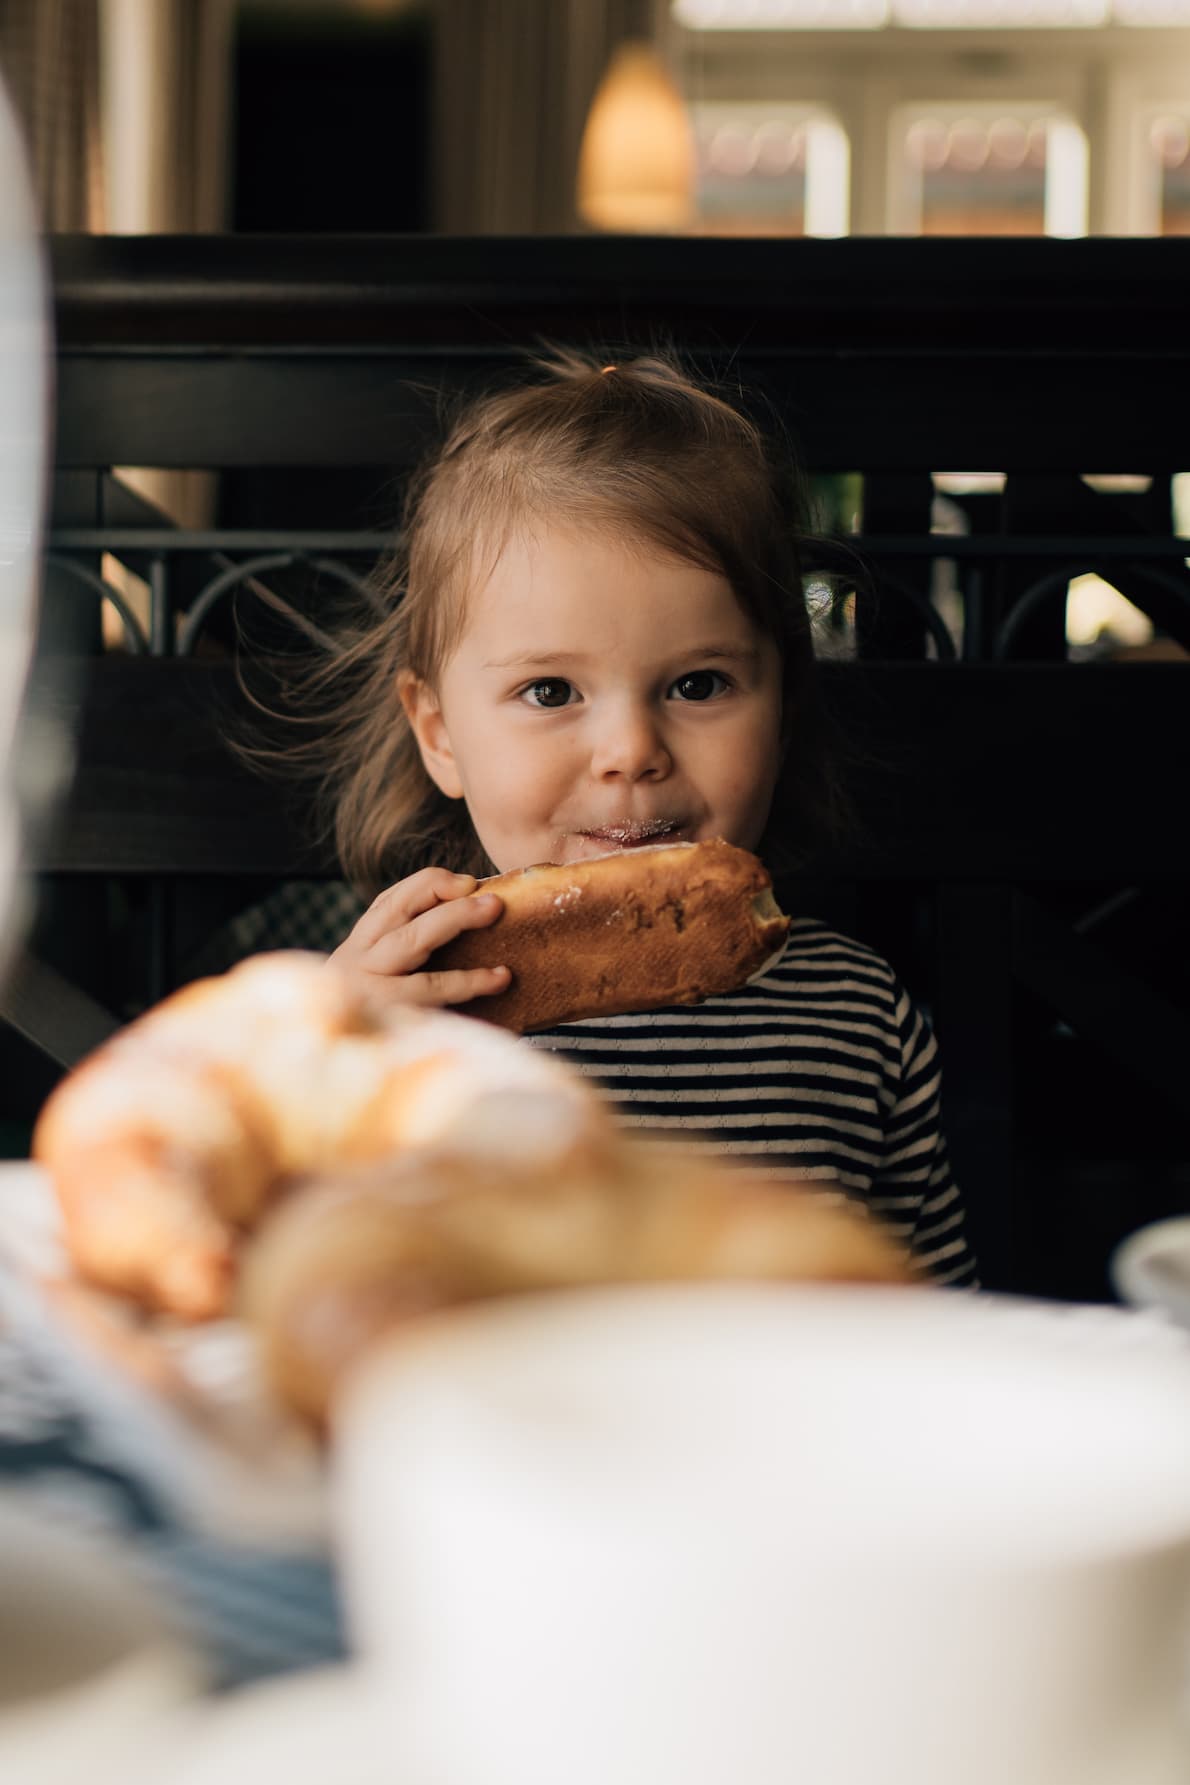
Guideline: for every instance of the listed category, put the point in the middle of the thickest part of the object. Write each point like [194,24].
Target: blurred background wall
[510,117]
[819,117]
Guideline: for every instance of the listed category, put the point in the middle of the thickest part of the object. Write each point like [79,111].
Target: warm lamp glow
[636,165]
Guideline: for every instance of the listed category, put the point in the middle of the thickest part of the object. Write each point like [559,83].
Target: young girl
[596,638]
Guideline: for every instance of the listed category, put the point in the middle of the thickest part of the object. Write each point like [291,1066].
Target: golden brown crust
[639,930]
[157,1165]
[133,1222]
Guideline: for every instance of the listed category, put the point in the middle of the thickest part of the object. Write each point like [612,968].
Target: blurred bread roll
[352,1256]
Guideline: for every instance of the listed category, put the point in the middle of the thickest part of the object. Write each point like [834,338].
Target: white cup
[1151,1268]
[91,1686]
[699,1534]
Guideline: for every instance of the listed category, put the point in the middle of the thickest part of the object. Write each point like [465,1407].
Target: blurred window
[1001,171]
[769,15]
[944,15]
[1169,147]
[994,141]
[770,169]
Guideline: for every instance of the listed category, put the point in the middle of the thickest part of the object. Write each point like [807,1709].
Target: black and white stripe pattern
[821,1067]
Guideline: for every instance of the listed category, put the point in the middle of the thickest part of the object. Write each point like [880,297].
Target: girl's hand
[400,931]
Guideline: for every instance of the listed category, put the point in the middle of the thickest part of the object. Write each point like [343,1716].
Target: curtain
[125,106]
[166,95]
[50,57]
[166,71]
[513,83]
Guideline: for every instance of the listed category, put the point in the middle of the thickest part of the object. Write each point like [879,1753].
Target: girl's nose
[629,745]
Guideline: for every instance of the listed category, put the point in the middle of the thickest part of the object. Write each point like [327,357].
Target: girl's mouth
[634,833]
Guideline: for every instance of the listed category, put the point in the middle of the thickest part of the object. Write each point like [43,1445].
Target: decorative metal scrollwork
[1038,594]
[208,599]
[138,642]
[324,554]
[861,562]
[921,604]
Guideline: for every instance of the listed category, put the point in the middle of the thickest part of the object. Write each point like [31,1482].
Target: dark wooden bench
[1017,804]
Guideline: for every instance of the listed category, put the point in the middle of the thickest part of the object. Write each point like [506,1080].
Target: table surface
[75,1454]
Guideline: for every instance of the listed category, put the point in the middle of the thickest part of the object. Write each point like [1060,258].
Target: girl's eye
[548,694]
[700,684]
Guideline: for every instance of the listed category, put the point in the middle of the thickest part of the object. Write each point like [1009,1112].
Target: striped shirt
[821,1067]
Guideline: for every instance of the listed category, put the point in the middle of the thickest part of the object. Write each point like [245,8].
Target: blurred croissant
[178,1135]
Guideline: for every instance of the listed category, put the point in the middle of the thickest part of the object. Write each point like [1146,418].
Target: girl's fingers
[438,990]
[408,947]
[409,898]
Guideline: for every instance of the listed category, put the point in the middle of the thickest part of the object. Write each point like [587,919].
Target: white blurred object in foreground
[91,1686]
[24,382]
[678,1536]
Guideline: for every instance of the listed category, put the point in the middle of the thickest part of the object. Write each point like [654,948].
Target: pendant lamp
[637,163]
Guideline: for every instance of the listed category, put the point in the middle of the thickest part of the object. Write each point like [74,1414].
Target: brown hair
[638,445]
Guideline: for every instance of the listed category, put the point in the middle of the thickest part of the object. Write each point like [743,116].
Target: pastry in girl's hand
[640,929]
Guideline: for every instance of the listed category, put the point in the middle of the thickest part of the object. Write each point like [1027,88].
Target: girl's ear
[430,734]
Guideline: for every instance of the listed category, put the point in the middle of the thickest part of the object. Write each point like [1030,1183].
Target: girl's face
[603,696]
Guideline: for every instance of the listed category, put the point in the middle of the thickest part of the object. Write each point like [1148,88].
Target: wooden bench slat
[974,773]
[239,410]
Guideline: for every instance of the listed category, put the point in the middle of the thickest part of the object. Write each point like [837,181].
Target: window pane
[1169,141]
[751,170]
[766,169]
[979,176]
